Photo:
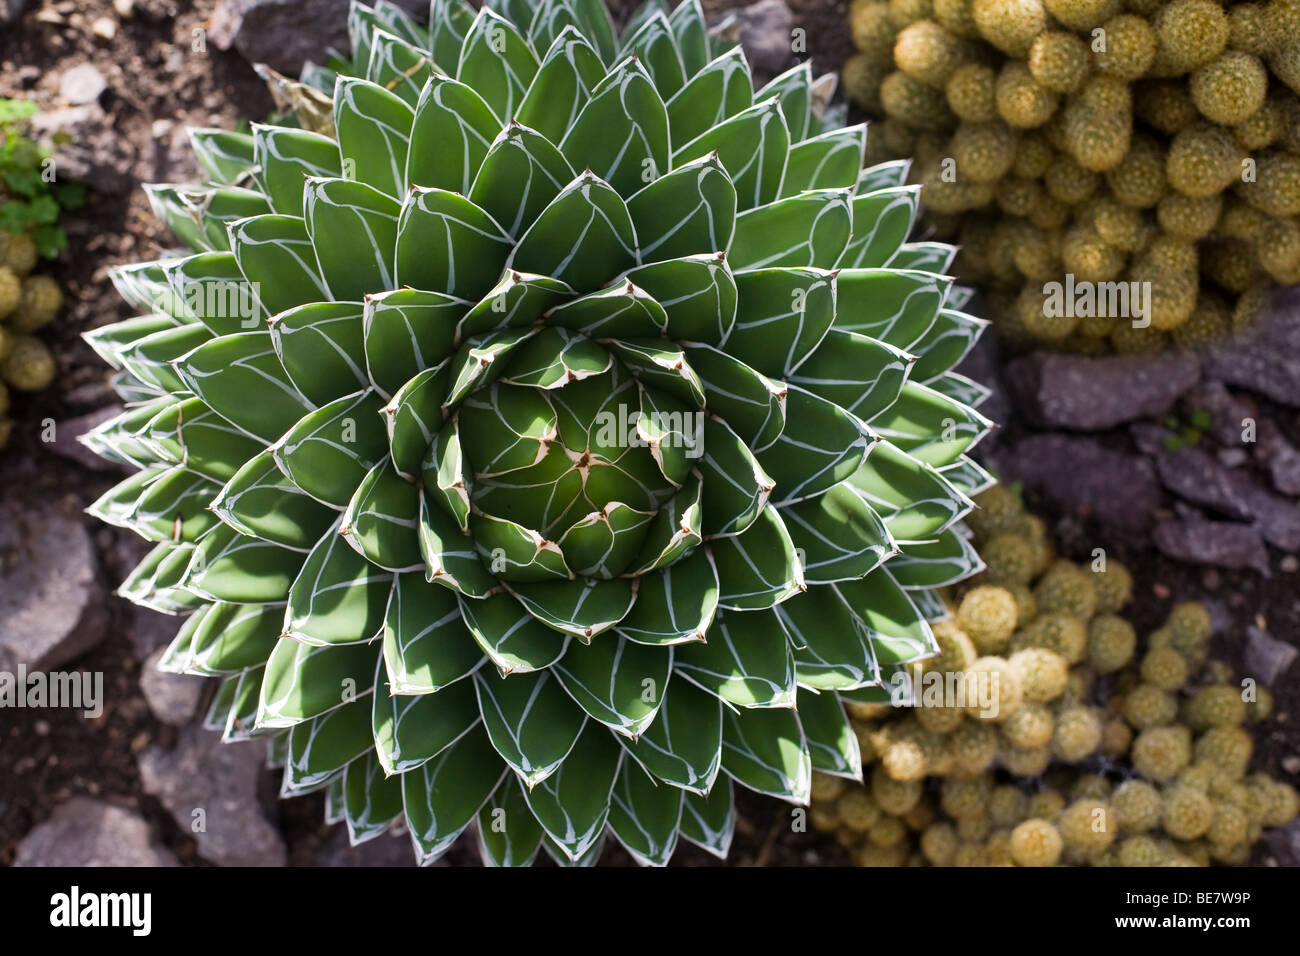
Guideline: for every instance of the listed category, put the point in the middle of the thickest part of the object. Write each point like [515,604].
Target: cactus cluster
[1101,752]
[32,197]
[1154,142]
[27,302]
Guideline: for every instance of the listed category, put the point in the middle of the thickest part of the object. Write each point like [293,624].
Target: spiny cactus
[1123,771]
[1119,125]
[587,437]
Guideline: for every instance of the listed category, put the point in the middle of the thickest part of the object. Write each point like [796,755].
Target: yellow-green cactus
[857,809]
[1021,101]
[1218,705]
[862,77]
[973,746]
[904,12]
[1129,47]
[1036,843]
[894,796]
[927,52]
[1077,734]
[1191,34]
[1226,749]
[956,649]
[1043,675]
[913,103]
[1139,181]
[1097,137]
[1190,622]
[992,688]
[1165,105]
[1118,226]
[970,92]
[1231,88]
[1008,557]
[988,616]
[1088,825]
[984,151]
[1114,586]
[18,252]
[1066,588]
[1210,321]
[29,366]
[958,17]
[1186,217]
[1111,643]
[1082,15]
[1016,196]
[939,843]
[1187,813]
[1062,634]
[1249,29]
[1010,25]
[1147,705]
[1164,668]
[11,291]
[1007,806]
[1203,160]
[1059,61]
[1137,805]
[39,304]
[1262,128]
[872,31]
[1276,185]
[1162,753]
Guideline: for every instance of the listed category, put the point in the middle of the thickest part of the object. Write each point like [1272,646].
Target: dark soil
[48,756]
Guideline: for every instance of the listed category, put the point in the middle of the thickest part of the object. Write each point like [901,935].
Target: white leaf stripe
[300,251]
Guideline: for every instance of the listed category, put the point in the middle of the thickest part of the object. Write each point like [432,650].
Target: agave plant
[547,429]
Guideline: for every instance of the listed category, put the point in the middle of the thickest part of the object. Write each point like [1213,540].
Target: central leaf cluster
[568,458]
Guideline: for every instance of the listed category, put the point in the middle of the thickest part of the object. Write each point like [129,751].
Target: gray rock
[1284,471]
[387,849]
[1094,394]
[11,10]
[1277,518]
[51,599]
[981,364]
[1232,457]
[202,774]
[1265,359]
[286,33]
[86,832]
[764,29]
[1279,456]
[1284,843]
[151,630]
[82,84]
[1222,619]
[1226,409]
[1223,544]
[1075,472]
[66,433]
[1198,477]
[1149,437]
[91,150]
[173,698]
[1267,658]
